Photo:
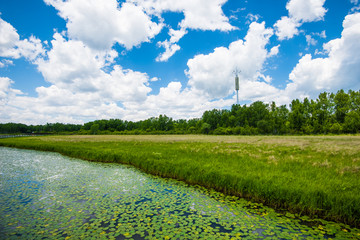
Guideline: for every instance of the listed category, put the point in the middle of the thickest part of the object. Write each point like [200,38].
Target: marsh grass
[312,175]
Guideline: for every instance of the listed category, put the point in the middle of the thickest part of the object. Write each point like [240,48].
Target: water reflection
[46,195]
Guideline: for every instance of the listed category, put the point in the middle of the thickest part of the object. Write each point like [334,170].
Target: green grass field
[312,175]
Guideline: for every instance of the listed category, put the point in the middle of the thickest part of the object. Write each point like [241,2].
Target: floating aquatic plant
[48,196]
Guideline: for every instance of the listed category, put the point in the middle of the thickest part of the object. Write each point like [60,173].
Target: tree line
[14,128]
[329,113]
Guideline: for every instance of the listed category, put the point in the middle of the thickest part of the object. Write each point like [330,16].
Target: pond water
[48,196]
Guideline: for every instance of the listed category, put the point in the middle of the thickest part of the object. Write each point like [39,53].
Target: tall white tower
[237,85]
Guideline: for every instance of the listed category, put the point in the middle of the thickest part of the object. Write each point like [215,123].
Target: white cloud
[126,85]
[73,66]
[310,41]
[12,47]
[286,28]
[196,17]
[4,87]
[81,91]
[322,34]
[300,11]
[6,92]
[101,23]
[176,35]
[5,63]
[274,50]
[212,73]
[8,38]
[170,50]
[154,79]
[252,18]
[86,83]
[170,45]
[306,10]
[69,61]
[356,7]
[174,102]
[209,18]
[30,48]
[259,91]
[339,70]
[54,104]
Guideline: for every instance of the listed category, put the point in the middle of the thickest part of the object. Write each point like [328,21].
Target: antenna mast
[236,72]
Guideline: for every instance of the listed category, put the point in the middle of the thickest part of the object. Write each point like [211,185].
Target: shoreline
[286,173]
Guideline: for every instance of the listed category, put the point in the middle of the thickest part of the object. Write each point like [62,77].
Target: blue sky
[75,61]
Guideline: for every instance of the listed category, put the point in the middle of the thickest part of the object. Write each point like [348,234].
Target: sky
[75,61]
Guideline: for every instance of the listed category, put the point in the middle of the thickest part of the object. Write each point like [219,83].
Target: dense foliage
[47,128]
[329,113]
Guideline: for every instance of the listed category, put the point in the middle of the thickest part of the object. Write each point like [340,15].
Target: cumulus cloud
[7,92]
[195,17]
[306,10]
[69,61]
[101,23]
[54,104]
[74,66]
[300,11]
[175,102]
[170,45]
[170,50]
[286,28]
[85,83]
[12,47]
[338,70]
[81,91]
[310,41]
[4,87]
[274,50]
[8,38]
[213,73]
[127,85]
[60,104]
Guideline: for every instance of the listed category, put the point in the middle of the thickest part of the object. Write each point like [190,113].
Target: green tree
[308,123]
[213,118]
[94,128]
[296,116]
[205,128]
[354,101]
[342,105]
[256,112]
[323,112]
[279,117]
[352,122]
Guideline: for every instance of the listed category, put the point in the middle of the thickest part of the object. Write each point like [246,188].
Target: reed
[314,175]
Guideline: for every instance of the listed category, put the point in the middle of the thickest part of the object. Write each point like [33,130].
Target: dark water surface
[48,196]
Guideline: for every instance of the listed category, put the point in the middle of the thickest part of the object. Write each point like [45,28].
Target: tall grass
[316,176]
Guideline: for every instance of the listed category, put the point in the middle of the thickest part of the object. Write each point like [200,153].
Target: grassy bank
[317,175]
